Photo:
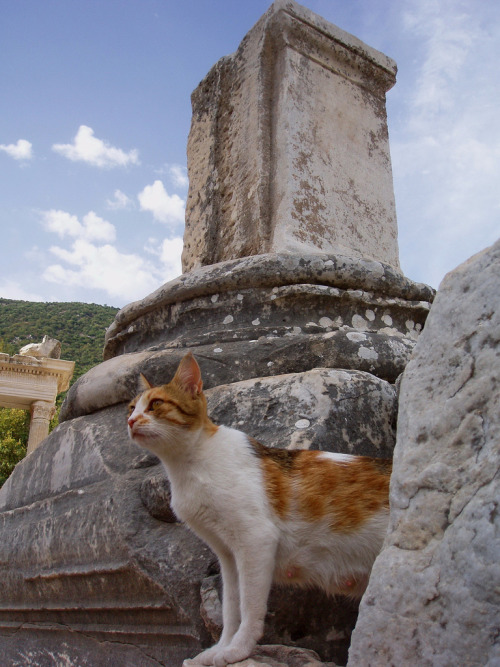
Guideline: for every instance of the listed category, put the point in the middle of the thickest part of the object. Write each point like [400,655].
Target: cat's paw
[231,654]
[203,658]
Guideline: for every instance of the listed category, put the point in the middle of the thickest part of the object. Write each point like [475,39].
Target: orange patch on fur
[278,486]
[347,493]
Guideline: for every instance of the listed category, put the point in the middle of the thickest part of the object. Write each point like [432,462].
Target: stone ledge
[115,381]
[269,270]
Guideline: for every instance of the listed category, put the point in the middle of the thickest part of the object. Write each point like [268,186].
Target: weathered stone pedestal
[295,307]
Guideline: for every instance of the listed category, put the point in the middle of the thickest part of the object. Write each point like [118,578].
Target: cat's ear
[188,375]
[144,383]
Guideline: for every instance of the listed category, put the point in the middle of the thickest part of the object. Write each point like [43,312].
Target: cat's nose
[131,421]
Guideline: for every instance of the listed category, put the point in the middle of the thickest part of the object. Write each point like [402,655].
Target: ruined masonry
[295,306]
[434,595]
[31,381]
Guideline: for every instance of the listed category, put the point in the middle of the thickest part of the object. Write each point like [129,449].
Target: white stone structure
[289,150]
[32,383]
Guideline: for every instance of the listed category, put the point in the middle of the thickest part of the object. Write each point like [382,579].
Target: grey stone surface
[434,595]
[260,316]
[90,558]
[288,149]
[273,655]
[156,498]
[267,271]
[333,410]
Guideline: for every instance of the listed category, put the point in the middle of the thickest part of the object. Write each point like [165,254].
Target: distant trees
[14,431]
[80,327]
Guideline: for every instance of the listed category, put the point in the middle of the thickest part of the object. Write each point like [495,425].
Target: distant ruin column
[29,382]
[41,414]
[288,149]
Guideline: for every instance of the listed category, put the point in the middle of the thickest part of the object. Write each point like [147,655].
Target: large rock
[334,410]
[434,594]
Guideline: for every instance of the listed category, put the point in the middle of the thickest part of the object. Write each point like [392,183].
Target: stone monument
[295,306]
[31,381]
[434,597]
[289,147]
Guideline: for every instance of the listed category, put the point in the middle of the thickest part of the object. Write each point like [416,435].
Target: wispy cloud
[96,152]
[123,276]
[92,261]
[179,175]
[176,174]
[120,201]
[11,289]
[164,207]
[446,158]
[22,150]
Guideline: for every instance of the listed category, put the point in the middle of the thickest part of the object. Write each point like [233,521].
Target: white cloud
[176,173]
[87,148]
[164,207]
[120,202]
[22,150]
[169,253]
[123,276]
[92,227]
[92,262]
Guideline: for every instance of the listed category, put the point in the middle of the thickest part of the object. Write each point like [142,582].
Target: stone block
[434,596]
[288,149]
[333,410]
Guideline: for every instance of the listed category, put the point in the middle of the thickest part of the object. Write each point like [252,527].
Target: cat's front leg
[230,610]
[255,563]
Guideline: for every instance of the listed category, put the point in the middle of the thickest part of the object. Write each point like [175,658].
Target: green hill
[79,326]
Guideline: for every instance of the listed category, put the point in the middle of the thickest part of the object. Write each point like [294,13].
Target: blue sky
[95,112]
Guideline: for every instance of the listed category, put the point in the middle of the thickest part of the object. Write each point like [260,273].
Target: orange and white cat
[300,517]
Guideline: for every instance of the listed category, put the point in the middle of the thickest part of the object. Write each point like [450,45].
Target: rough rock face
[334,410]
[434,595]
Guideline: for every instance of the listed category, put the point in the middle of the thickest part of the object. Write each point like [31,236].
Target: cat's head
[168,415]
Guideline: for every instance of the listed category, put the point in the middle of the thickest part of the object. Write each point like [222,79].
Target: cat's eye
[155,403]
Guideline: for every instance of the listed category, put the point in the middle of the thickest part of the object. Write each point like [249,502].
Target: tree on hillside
[7,348]
[14,432]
